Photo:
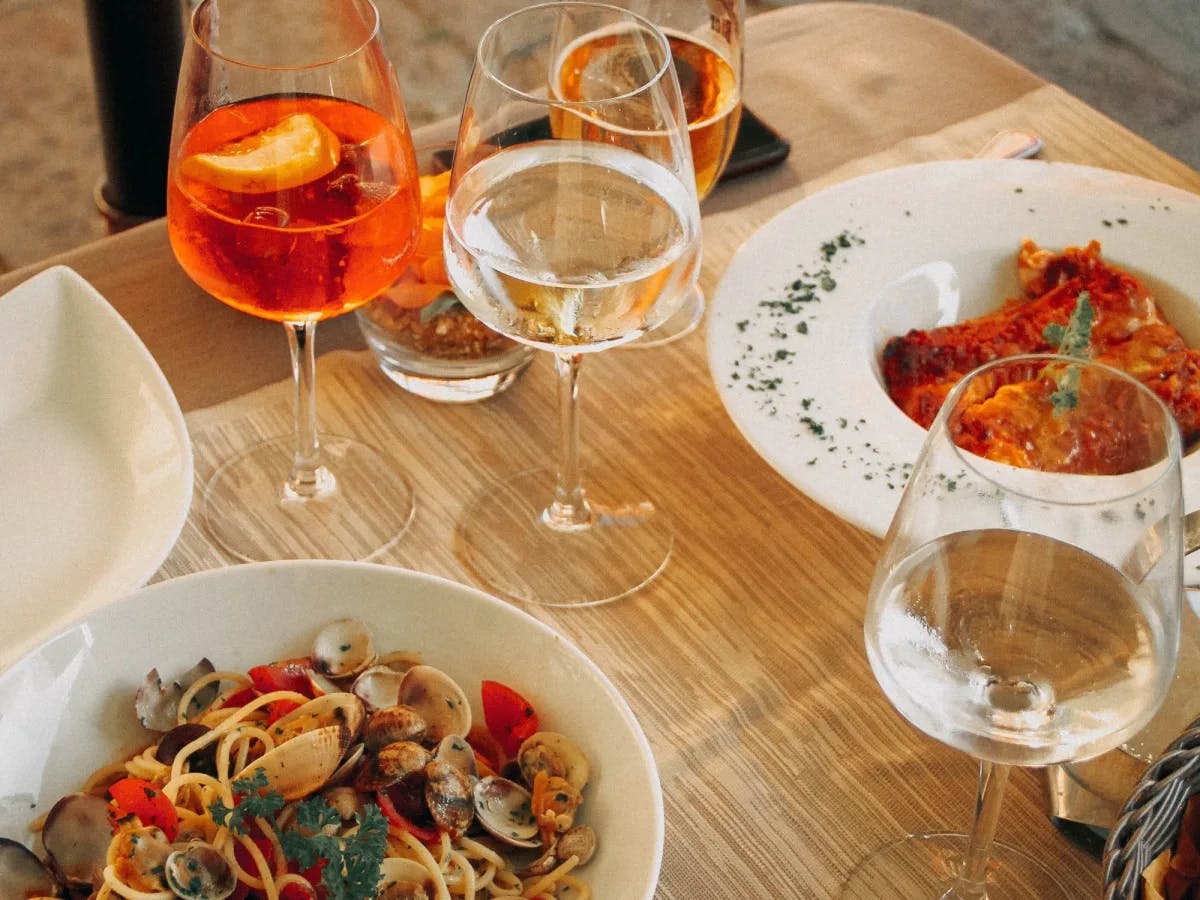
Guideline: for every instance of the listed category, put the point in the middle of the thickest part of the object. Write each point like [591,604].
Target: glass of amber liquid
[292,196]
[705,37]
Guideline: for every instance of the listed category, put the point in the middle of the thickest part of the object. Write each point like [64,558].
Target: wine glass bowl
[1005,618]
[572,225]
[292,196]
[706,44]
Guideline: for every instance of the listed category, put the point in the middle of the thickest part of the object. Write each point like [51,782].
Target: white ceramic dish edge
[124,403]
[65,696]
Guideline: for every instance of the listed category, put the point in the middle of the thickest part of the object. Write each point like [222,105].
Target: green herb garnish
[1072,339]
[441,304]
[352,860]
[257,798]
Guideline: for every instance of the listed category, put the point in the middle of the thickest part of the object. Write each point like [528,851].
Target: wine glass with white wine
[572,226]
[1016,613]
[706,43]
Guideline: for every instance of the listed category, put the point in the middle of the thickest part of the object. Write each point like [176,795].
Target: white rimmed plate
[95,460]
[807,303]
[67,707]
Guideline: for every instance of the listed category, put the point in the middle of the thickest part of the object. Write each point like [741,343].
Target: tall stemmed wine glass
[1026,606]
[572,226]
[292,196]
[706,45]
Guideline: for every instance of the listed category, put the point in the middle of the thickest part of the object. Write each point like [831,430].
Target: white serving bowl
[67,707]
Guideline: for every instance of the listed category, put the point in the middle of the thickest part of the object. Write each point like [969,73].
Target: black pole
[135,46]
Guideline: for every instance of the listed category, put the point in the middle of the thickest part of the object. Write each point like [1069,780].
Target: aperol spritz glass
[292,196]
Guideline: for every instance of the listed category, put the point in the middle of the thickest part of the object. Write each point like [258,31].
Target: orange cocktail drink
[293,208]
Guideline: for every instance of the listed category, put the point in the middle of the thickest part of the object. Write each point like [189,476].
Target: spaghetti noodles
[283,784]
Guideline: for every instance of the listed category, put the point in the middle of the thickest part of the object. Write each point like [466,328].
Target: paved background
[1137,61]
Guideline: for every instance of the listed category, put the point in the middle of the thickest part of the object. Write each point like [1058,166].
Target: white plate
[95,460]
[812,403]
[68,707]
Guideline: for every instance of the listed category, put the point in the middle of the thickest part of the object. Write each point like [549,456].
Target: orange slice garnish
[295,151]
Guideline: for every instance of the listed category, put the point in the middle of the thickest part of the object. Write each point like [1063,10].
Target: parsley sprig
[351,860]
[1074,340]
[252,798]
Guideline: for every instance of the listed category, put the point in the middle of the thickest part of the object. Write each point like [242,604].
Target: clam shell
[392,724]
[449,796]
[438,699]
[76,837]
[338,709]
[558,755]
[378,687]
[199,872]
[455,750]
[502,808]
[303,764]
[343,648]
[22,874]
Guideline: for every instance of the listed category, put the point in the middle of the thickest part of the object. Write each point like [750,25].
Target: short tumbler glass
[424,339]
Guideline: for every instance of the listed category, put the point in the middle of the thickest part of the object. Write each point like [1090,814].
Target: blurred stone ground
[1138,62]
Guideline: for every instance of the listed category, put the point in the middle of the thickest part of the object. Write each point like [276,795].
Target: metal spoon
[1013,143]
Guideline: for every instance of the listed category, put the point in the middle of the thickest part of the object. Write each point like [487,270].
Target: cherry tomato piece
[510,717]
[290,675]
[138,797]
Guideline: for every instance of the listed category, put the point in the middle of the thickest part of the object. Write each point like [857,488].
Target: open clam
[502,808]
[455,750]
[438,699]
[23,875]
[557,755]
[199,872]
[378,687]
[448,794]
[303,764]
[337,709]
[143,852]
[343,648]
[391,764]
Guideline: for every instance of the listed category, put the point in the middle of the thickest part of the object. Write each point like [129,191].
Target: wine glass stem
[308,478]
[972,880]
[569,510]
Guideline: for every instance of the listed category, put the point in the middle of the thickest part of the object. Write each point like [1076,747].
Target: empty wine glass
[1016,613]
[292,196]
[572,226]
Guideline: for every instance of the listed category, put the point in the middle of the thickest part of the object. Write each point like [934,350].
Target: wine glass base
[924,866]
[363,507]
[678,325]
[504,542]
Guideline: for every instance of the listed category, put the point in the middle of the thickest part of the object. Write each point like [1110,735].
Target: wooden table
[782,763]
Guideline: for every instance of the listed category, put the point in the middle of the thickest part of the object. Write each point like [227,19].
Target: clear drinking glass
[422,336]
[706,45]
[292,196]
[571,226]
[1026,608]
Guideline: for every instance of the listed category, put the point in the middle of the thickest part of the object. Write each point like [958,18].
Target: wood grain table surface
[782,764]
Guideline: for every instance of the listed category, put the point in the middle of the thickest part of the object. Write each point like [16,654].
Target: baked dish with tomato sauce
[1128,332]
